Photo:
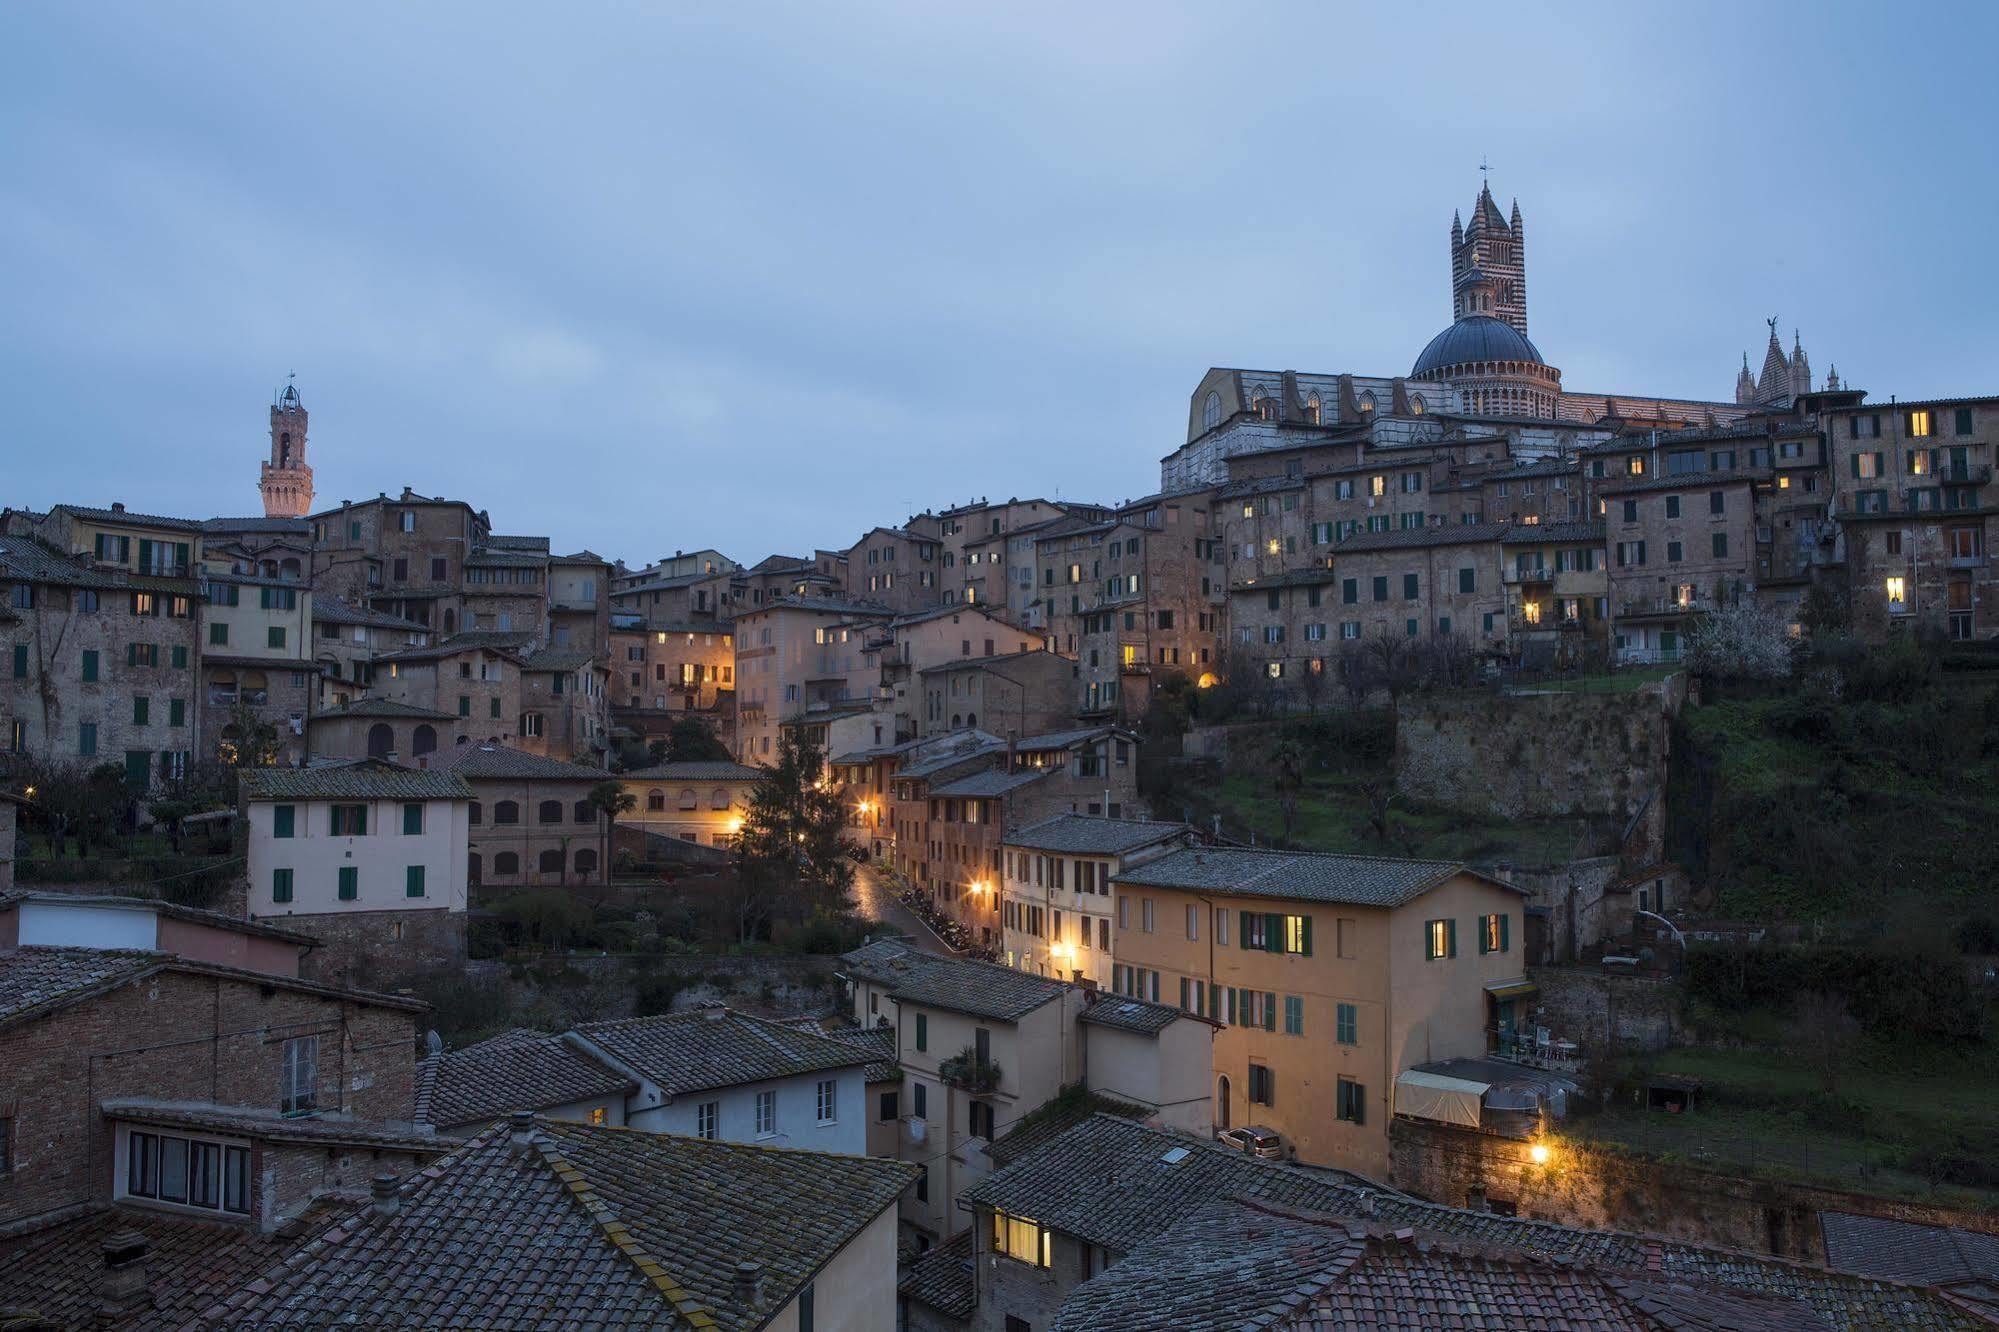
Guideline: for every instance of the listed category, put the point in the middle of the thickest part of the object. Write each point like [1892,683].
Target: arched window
[1222,1101]
[551,861]
[256,688]
[288,569]
[1367,400]
[450,620]
[718,798]
[1416,404]
[971,719]
[461,740]
[1263,405]
[655,801]
[550,811]
[506,865]
[381,740]
[957,719]
[586,861]
[1211,411]
[585,812]
[423,739]
[506,812]
[688,799]
[476,815]
[1312,407]
[474,868]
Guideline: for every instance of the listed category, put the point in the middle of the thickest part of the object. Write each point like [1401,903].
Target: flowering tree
[1745,641]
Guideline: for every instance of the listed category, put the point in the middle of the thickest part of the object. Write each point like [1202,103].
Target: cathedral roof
[1476,338]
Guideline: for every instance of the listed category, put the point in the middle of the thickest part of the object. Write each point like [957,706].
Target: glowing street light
[1538,1153]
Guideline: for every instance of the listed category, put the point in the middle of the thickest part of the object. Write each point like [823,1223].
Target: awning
[1512,989]
[1434,1096]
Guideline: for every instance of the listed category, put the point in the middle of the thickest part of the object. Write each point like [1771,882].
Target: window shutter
[1451,937]
[1215,1002]
[1273,932]
[1243,936]
[145,554]
[1183,992]
[1232,1017]
[1269,1011]
[1504,922]
[1481,938]
[1308,936]
[131,654]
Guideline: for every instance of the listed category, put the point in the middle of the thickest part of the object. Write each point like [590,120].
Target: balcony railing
[1969,474]
[1515,576]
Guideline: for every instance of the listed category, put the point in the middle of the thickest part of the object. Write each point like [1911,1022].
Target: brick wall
[380,949]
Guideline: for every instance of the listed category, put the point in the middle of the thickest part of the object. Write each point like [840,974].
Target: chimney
[117,506]
[521,1135]
[383,1188]
[749,1284]
[122,1288]
[1367,1202]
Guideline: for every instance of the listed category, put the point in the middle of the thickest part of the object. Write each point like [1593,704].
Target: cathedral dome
[1475,338]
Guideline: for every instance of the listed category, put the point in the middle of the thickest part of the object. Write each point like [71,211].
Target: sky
[647,277]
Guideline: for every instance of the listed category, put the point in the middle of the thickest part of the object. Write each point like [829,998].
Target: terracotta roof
[717,1047]
[942,1278]
[332,610]
[275,526]
[380,707]
[878,1041]
[128,519]
[1320,577]
[1028,744]
[578,1227]
[1307,876]
[997,659]
[1638,485]
[56,1272]
[980,989]
[1134,1015]
[1444,534]
[1528,533]
[479,762]
[1089,835]
[1107,1181]
[479,640]
[517,1070]
[363,779]
[35,980]
[696,771]
[32,560]
[327,1129]
[990,784]
[556,659]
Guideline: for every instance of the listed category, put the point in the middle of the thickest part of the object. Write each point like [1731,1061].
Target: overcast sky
[657,276]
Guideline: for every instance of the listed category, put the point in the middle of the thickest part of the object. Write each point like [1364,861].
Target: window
[1717,501]
[1920,424]
[1721,545]
[1672,506]
[506,812]
[1440,939]
[1262,1085]
[281,885]
[890,1107]
[298,1092]
[412,820]
[1492,934]
[1631,511]
[1352,1101]
[1294,1015]
[1674,550]
[1022,1240]
[766,1114]
[182,1170]
[413,881]
[919,1100]
[1347,1022]
[1381,588]
[980,1123]
[707,1116]
[922,1031]
[350,883]
[86,739]
[827,1099]
[350,820]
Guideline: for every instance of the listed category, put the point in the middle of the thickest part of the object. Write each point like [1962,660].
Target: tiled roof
[997,659]
[1738,476]
[1306,876]
[328,1129]
[989,784]
[878,1041]
[698,771]
[30,559]
[556,659]
[1029,744]
[1106,1181]
[1231,1265]
[924,765]
[128,519]
[579,1227]
[476,762]
[1444,534]
[979,989]
[487,558]
[941,1279]
[690,1052]
[1529,533]
[504,541]
[1319,577]
[381,707]
[1089,835]
[364,779]
[1133,1015]
[1909,1251]
[824,605]
[57,1272]
[269,526]
[332,610]
[518,1070]
[479,640]
[33,979]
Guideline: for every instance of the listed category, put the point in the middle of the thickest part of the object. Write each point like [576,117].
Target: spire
[1745,384]
[1801,369]
[1773,386]
[1516,213]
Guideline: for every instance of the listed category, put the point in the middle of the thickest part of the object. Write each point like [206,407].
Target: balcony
[1518,577]
[1968,474]
[1965,562]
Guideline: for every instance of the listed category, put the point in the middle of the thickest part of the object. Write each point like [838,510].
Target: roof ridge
[619,1234]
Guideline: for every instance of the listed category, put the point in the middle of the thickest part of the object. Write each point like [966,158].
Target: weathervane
[1484,168]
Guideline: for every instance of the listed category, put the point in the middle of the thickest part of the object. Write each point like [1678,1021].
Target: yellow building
[1329,974]
[701,802]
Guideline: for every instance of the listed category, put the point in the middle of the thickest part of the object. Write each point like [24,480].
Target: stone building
[902,649]
[1557,607]
[1678,544]
[896,567]
[579,603]
[673,668]
[690,802]
[367,857]
[1021,693]
[531,822]
[101,656]
[406,556]
[347,639]
[796,655]
[506,587]
[256,657]
[1330,974]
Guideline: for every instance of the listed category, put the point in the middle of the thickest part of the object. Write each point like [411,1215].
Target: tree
[1825,612]
[248,741]
[692,741]
[1287,779]
[608,800]
[77,800]
[1745,641]
[1312,684]
[1823,1030]
[791,853]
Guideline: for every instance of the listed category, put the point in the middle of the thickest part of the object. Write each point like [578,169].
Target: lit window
[1636,467]
[1898,593]
[1919,424]
[599,1115]
[1020,1239]
[1440,938]
[1377,486]
[1530,611]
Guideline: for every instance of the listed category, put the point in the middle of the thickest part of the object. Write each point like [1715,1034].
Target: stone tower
[286,480]
[1489,264]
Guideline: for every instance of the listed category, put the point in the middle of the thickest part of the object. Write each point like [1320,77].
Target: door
[1222,1102]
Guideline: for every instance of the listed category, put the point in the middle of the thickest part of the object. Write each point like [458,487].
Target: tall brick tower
[286,480]
[1489,264]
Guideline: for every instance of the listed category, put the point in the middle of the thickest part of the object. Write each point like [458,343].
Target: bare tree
[1823,1030]
[1312,684]
[1287,779]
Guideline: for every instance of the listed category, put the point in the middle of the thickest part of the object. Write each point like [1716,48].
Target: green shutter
[180,658]
[1273,932]
[281,820]
[145,554]
[1504,942]
[412,820]
[1215,1002]
[350,883]
[922,1032]
[281,885]
[90,667]
[180,554]
[1308,936]
[1451,937]
[142,710]
[1232,1018]
[1481,937]
[1269,1011]
[176,712]
[1242,933]
[413,881]
[20,661]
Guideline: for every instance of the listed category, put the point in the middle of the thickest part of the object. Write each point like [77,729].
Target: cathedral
[1785,379]
[286,481]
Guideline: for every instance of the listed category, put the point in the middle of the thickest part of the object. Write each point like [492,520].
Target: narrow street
[874,897]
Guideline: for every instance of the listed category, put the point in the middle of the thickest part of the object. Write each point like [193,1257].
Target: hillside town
[1298,896]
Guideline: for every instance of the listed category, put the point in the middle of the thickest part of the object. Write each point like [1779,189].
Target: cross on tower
[1484,168]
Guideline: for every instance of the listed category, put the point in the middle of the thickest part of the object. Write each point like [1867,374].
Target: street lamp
[1538,1153]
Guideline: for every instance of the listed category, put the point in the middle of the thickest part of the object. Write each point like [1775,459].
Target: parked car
[1254,1140]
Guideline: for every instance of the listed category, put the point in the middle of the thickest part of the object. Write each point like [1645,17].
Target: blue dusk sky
[756,276]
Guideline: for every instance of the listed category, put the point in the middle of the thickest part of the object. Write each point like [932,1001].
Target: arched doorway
[381,740]
[474,865]
[1222,1101]
[423,740]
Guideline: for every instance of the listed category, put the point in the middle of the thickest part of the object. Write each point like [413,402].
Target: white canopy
[1434,1096]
